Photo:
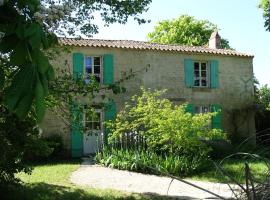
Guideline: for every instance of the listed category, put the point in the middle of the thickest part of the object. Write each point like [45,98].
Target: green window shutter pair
[76,112]
[216,120]
[108,67]
[189,73]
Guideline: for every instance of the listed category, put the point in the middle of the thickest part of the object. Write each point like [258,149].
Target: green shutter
[76,112]
[214,74]
[110,114]
[78,65]
[190,108]
[189,72]
[76,131]
[216,120]
[108,69]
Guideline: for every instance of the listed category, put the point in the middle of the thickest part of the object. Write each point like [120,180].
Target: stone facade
[166,71]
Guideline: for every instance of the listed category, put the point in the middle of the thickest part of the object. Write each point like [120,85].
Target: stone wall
[166,71]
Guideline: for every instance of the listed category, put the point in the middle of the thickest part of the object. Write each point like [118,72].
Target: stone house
[205,77]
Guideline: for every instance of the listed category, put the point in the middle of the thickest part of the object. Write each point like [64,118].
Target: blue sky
[239,21]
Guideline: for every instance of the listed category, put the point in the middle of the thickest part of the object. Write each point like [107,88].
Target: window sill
[201,89]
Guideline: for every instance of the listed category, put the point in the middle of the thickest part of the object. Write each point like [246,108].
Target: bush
[39,148]
[150,162]
[15,136]
[154,124]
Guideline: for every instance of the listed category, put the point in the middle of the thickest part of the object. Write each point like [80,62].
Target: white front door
[92,135]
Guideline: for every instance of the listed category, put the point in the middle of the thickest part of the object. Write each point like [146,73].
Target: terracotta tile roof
[130,44]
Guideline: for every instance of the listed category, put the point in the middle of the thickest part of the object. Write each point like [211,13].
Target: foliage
[263,98]
[265,5]
[166,127]
[43,148]
[151,162]
[262,114]
[28,30]
[15,136]
[185,30]
[168,132]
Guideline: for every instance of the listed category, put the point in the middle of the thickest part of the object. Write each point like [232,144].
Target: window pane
[97,69]
[96,125]
[203,66]
[197,73]
[197,109]
[88,125]
[96,60]
[205,109]
[203,73]
[197,82]
[204,82]
[88,61]
[97,77]
[88,65]
[196,66]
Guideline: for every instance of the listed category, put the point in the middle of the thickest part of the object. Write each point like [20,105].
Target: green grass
[50,181]
[235,168]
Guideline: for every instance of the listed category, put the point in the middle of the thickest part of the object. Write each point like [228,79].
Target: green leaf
[20,86]
[41,60]
[31,29]
[19,55]
[24,105]
[36,38]
[39,100]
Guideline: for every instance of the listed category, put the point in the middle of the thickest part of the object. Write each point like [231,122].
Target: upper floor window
[201,74]
[93,66]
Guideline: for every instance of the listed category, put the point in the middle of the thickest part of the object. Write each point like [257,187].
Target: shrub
[155,124]
[39,148]
[15,136]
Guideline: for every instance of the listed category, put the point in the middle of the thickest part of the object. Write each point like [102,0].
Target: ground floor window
[201,109]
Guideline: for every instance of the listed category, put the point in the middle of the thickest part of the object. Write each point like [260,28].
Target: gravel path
[101,177]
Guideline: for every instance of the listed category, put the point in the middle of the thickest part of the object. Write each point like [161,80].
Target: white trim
[200,78]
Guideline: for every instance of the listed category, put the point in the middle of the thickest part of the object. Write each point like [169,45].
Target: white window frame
[202,109]
[100,111]
[100,75]
[200,78]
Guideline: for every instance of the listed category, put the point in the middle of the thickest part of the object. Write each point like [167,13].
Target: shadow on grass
[44,191]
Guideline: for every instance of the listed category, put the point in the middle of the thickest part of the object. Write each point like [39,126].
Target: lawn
[235,168]
[50,181]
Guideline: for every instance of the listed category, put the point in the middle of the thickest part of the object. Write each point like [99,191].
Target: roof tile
[130,44]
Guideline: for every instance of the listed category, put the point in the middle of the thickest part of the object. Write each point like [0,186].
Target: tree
[265,5]
[28,30]
[185,30]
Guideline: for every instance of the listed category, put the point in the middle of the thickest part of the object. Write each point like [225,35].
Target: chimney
[215,41]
